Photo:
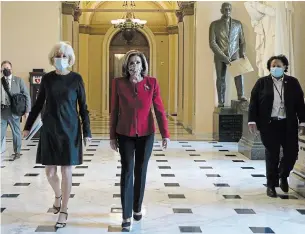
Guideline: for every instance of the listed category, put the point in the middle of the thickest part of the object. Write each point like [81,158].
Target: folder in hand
[36,126]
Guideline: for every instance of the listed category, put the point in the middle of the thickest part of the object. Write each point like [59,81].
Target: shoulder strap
[5,86]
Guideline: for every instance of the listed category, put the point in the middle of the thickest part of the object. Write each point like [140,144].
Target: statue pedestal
[297,176]
[249,145]
[227,125]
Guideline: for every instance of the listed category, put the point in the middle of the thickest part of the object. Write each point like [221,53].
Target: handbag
[18,100]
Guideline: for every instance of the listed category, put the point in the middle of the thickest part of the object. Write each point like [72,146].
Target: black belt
[277,119]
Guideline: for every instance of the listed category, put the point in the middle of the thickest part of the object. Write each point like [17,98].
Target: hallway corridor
[193,187]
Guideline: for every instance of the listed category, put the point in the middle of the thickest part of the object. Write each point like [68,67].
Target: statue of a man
[228,44]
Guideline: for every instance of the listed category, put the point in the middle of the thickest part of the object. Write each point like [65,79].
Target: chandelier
[128,21]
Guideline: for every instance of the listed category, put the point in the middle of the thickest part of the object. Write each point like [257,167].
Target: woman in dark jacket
[60,141]
[132,129]
[277,110]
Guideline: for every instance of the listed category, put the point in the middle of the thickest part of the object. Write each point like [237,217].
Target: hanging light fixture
[128,21]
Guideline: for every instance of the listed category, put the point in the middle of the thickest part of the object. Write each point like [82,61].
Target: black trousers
[273,137]
[135,153]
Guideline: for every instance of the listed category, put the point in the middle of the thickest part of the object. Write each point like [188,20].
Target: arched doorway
[118,48]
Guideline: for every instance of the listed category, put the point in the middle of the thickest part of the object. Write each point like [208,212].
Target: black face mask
[6,72]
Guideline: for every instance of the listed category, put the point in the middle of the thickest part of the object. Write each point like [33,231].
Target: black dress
[60,136]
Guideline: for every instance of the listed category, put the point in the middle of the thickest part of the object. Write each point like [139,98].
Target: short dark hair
[6,61]
[280,57]
[226,4]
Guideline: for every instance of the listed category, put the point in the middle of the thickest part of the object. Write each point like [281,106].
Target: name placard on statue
[240,67]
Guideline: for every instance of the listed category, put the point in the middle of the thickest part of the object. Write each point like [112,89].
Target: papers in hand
[36,126]
[240,66]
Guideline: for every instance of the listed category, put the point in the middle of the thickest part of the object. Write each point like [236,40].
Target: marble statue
[227,41]
[272,24]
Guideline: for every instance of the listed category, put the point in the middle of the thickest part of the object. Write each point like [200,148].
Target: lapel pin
[146,87]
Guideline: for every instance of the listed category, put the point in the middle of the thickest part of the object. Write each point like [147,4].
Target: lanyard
[280,94]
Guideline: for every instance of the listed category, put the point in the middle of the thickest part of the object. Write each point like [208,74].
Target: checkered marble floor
[193,187]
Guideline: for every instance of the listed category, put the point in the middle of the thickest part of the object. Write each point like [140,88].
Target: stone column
[75,37]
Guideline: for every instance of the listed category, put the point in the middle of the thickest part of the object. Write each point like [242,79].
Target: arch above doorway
[105,60]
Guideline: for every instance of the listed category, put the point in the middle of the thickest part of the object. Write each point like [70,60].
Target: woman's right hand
[114,144]
[25,133]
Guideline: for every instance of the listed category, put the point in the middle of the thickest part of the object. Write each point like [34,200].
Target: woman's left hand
[87,140]
[165,142]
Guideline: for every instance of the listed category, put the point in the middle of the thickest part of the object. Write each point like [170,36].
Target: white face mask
[61,64]
[135,66]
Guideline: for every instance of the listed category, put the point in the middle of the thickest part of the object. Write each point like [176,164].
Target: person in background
[60,141]
[277,110]
[132,129]
[15,85]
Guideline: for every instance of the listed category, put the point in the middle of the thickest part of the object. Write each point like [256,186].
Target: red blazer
[131,113]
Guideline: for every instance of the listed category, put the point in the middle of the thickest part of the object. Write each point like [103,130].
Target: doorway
[118,48]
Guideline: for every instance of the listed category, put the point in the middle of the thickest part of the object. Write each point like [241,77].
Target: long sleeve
[213,45]
[83,109]
[36,109]
[300,105]
[160,112]
[25,91]
[253,106]
[114,110]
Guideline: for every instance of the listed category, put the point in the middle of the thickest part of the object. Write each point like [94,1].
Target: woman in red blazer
[132,129]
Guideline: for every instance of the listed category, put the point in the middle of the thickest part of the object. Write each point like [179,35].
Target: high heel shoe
[126,226]
[137,216]
[62,225]
[57,209]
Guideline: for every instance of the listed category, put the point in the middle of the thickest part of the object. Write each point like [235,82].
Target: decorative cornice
[172,29]
[71,8]
[186,7]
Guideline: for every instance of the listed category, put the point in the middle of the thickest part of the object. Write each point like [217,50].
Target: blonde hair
[129,54]
[65,48]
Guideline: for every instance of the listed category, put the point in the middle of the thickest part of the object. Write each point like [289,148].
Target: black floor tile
[31,174]
[261,230]
[231,196]
[119,160]
[75,184]
[46,229]
[87,160]
[159,154]
[161,160]
[190,229]
[287,197]
[258,175]
[39,167]
[31,145]
[206,168]
[186,146]
[221,185]
[117,184]
[116,195]
[91,150]
[81,167]
[116,210]
[195,155]
[183,142]
[244,211]
[230,155]
[118,175]
[2,209]
[2,166]
[171,185]
[238,160]
[176,196]
[78,174]
[182,211]
[93,145]
[21,184]
[164,167]
[72,195]
[217,146]
[8,160]
[213,175]
[212,142]
[88,154]
[247,168]
[119,167]
[10,195]
[167,175]
[25,149]
[157,150]
[301,211]
[223,150]
[200,160]
[190,150]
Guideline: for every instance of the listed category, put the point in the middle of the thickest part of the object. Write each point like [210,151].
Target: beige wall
[28,32]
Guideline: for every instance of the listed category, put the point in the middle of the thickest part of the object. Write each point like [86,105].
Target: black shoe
[62,225]
[284,185]
[137,216]
[16,156]
[126,226]
[271,192]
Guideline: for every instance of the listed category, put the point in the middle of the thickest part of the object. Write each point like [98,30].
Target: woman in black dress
[60,141]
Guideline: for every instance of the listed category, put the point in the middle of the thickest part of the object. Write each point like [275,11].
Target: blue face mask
[277,72]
